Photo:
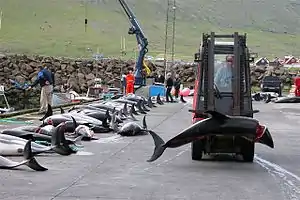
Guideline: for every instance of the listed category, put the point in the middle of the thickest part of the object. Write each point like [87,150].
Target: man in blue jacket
[46,80]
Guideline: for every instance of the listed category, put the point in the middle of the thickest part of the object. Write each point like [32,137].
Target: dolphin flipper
[139,107]
[63,144]
[58,141]
[159,146]
[144,107]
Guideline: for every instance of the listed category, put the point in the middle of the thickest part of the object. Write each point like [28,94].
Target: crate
[154,90]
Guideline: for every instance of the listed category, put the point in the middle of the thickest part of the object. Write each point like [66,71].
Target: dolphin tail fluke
[131,113]
[133,110]
[159,146]
[48,113]
[144,107]
[139,107]
[182,99]
[145,123]
[125,110]
[158,100]
[31,161]
[107,115]
[106,120]
[150,103]
[113,123]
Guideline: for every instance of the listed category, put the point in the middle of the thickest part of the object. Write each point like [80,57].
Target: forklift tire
[248,151]
[197,150]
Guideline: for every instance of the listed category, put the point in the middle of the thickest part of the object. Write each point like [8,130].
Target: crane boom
[141,40]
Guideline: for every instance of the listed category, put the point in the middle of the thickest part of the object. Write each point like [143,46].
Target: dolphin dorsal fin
[216,115]
[61,110]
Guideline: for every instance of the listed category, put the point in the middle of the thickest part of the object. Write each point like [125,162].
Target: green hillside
[56,27]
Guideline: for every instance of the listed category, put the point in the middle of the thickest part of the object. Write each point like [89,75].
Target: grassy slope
[264,21]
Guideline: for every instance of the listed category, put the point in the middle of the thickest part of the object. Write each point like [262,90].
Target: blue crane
[142,43]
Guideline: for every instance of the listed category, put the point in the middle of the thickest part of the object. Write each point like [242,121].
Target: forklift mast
[206,91]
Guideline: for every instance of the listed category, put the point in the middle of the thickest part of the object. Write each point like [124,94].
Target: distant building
[289,60]
[263,61]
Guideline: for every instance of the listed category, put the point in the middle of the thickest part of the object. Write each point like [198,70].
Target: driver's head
[229,60]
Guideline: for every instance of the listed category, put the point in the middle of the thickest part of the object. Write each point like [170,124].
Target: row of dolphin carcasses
[62,133]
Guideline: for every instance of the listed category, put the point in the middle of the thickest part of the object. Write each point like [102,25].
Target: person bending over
[44,78]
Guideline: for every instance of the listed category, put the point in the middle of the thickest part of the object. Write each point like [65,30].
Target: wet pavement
[115,167]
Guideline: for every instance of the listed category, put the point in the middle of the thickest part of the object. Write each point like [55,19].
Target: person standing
[159,78]
[130,83]
[123,81]
[169,85]
[177,84]
[44,79]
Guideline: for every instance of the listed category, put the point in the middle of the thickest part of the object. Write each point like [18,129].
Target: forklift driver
[223,77]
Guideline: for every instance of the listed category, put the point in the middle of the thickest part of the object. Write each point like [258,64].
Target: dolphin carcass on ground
[119,108]
[289,99]
[81,119]
[98,113]
[43,135]
[217,124]
[112,107]
[72,129]
[138,104]
[13,146]
[132,128]
[143,100]
[264,96]
[29,160]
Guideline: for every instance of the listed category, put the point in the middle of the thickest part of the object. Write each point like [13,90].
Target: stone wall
[79,74]
[76,73]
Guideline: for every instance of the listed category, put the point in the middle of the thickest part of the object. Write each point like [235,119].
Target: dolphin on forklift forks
[217,124]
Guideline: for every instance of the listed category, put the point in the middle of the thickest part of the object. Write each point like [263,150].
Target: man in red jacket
[130,83]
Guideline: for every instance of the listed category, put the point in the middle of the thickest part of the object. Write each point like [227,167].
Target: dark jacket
[177,83]
[160,79]
[169,82]
[43,76]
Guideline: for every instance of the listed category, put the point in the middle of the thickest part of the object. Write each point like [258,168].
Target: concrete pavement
[115,167]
